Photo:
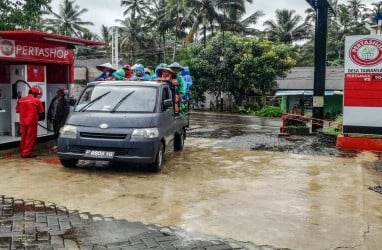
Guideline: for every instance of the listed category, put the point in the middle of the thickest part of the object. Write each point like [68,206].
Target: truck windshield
[102,98]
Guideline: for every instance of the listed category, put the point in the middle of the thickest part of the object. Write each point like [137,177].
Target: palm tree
[226,13]
[67,21]
[348,20]
[134,38]
[376,11]
[356,8]
[288,27]
[106,34]
[135,7]
[205,12]
[233,11]
[175,15]
[164,23]
[87,52]
[235,8]
[245,26]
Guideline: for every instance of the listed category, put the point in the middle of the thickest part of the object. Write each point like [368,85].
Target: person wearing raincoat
[182,85]
[107,72]
[168,75]
[177,68]
[124,73]
[155,75]
[188,80]
[139,74]
[58,111]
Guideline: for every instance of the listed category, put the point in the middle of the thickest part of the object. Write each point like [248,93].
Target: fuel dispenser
[33,58]
[24,77]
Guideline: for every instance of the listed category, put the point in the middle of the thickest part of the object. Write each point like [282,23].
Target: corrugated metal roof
[301,78]
[306,92]
[90,63]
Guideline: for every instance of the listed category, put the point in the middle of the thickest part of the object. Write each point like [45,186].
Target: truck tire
[156,166]
[69,163]
[179,140]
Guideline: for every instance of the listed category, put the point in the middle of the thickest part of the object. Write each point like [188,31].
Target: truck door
[167,116]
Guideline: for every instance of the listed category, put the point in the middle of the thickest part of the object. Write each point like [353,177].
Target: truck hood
[113,120]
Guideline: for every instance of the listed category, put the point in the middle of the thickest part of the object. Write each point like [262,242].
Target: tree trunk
[174,52]
[205,35]
[164,47]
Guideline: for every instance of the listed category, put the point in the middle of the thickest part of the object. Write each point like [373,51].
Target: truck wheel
[179,140]
[157,165]
[69,163]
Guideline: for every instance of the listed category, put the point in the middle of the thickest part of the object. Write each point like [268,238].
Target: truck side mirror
[72,101]
[167,104]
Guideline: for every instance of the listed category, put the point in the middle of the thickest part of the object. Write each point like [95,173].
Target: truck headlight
[68,131]
[145,132]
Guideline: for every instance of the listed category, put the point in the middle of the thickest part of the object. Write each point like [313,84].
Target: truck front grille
[102,135]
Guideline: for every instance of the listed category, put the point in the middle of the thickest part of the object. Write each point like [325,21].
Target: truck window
[118,99]
[166,94]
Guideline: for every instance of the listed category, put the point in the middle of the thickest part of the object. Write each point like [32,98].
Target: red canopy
[42,37]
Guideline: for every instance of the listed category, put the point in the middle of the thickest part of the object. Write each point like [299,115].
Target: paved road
[35,224]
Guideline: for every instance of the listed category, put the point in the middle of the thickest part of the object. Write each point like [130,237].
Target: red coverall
[29,108]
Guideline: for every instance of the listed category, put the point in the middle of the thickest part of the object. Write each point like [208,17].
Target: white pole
[116,47]
[112,47]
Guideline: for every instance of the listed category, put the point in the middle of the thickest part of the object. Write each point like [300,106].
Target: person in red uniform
[30,109]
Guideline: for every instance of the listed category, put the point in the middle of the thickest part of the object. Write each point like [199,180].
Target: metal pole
[319,62]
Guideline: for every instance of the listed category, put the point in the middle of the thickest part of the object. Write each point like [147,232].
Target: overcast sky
[107,11]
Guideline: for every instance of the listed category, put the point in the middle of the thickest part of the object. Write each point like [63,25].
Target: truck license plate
[99,154]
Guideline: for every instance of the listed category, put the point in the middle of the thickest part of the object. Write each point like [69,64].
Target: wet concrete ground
[223,184]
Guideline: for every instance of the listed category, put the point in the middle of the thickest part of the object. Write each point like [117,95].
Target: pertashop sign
[21,50]
[363,85]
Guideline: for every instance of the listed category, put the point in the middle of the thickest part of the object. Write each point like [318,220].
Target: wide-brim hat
[126,66]
[160,71]
[105,65]
[62,91]
[176,65]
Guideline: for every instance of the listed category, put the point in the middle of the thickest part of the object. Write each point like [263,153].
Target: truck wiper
[121,101]
[93,101]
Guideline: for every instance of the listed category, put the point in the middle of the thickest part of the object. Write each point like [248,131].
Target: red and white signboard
[7,48]
[25,51]
[363,85]
[35,73]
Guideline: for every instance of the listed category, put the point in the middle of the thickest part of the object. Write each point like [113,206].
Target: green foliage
[188,57]
[22,14]
[248,109]
[237,65]
[331,131]
[295,123]
[269,111]
[261,63]
[331,115]
[339,119]
[336,128]
[68,21]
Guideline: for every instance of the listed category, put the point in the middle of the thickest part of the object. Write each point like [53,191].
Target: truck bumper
[119,151]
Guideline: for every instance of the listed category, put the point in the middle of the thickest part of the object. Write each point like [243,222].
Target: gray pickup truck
[122,121]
